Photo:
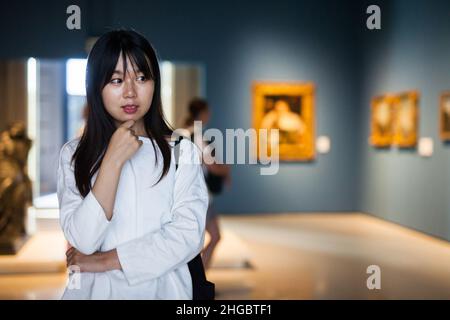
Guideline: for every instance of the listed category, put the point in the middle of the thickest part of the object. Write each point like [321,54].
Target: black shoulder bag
[202,289]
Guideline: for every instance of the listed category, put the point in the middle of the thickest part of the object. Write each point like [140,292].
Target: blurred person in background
[216,174]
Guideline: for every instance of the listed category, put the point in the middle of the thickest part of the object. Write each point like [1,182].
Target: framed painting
[288,107]
[444,116]
[406,119]
[382,121]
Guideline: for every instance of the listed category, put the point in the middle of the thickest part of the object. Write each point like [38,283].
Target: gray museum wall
[238,42]
[412,51]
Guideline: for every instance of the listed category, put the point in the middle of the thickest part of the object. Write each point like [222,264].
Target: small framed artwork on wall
[382,121]
[444,116]
[289,108]
[406,119]
[394,120]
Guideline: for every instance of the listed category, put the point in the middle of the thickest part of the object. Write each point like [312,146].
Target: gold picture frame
[288,107]
[444,116]
[382,121]
[394,120]
[406,119]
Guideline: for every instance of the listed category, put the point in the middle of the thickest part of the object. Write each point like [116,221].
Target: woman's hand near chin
[122,146]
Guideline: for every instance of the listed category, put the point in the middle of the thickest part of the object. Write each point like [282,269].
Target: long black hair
[100,124]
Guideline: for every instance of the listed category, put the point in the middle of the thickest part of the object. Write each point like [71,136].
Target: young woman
[132,217]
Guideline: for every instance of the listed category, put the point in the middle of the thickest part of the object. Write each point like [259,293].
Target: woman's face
[128,96]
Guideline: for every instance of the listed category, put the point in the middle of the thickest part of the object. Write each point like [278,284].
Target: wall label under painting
[288,107]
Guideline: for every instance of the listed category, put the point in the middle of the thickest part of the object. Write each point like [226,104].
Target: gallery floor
[287,256]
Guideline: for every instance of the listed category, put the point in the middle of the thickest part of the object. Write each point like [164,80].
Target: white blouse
[156,229]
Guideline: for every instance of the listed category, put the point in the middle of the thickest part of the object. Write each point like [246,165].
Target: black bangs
[136,54]
[139,61]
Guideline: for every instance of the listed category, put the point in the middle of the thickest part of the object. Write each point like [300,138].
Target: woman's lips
[130,109]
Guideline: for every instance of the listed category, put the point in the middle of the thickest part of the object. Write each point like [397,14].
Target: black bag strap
[177,151]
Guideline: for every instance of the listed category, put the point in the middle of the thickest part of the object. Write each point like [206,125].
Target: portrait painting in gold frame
[288,107]
[382,121]
[406,119]
[394,120]
[444,116]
